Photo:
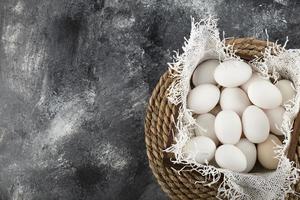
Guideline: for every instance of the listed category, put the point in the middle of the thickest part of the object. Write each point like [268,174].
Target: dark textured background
[75,79]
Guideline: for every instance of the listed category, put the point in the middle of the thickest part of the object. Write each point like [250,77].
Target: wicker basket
[158,126]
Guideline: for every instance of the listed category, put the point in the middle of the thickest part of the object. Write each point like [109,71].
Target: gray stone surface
[75,79]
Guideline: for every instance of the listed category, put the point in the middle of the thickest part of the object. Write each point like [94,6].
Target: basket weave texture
[158,127]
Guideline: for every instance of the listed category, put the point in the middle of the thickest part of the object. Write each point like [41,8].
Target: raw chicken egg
[228,127]
[204,73]
[234,99]
[230,157]
[287,90]
[203,98]
[206,126]
[249,150]
[266,152]
[232,73]
[275,117]
[200,148]
[256,125]
[254,77]
[264,94]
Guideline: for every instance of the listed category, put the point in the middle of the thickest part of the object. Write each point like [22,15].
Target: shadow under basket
[158,135]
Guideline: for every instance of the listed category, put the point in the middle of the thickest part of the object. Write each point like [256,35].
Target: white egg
[232,73]
[228,127]
[249,150]
[203,98]
[230,157]
[206,126]
[201,149]
[287,90]
[254,77]
[266,154]
[234,99]
[204,73]
[256,125]
[264,94]
[275,117]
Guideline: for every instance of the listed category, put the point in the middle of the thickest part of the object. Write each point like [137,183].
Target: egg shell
[204,73]
[287,90]
[256,125]
[228,127]
[234,99]
[264,94]
[200,148]
[266,154]
[249,150]
[230,157]
[206,126]
[275,117]
[203,98]
[232,73]
[254,77]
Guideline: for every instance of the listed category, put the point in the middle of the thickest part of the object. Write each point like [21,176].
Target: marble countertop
[75,79]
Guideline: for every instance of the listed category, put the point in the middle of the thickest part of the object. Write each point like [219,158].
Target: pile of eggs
[238,116]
